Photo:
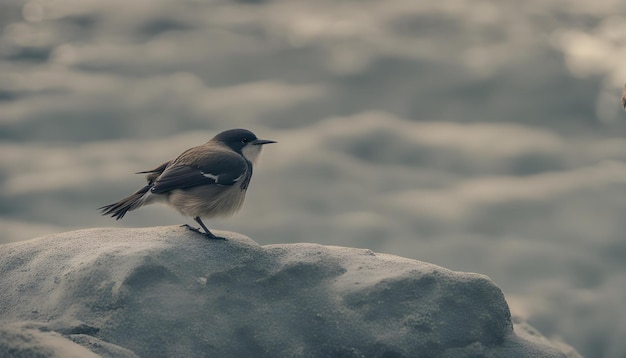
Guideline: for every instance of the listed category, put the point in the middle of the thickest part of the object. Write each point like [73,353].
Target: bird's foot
[208,235]
[191,228]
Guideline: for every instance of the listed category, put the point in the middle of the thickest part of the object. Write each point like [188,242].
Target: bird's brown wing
[154,173]
[211,170]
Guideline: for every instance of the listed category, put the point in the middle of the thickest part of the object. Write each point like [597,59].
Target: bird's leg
[207,232]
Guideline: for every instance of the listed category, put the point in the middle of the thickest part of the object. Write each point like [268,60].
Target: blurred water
[483,136]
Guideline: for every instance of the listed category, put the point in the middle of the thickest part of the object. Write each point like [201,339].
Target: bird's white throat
[251,152]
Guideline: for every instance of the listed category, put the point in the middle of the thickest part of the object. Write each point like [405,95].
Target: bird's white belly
[208,201]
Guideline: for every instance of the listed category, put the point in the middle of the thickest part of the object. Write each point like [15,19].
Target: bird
[624,97]
[205,181]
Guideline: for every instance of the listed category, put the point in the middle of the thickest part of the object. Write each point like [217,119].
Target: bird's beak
[262,141]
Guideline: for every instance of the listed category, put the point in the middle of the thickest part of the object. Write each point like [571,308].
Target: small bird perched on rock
[205,181]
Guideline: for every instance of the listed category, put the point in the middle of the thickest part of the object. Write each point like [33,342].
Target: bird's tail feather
[118,210]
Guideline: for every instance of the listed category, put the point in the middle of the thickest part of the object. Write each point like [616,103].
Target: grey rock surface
[165,292]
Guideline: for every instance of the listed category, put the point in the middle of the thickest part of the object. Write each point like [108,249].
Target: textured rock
[169,292]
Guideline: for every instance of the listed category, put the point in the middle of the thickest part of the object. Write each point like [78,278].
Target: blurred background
[483,136]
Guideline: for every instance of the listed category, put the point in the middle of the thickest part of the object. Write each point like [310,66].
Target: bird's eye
[244,140]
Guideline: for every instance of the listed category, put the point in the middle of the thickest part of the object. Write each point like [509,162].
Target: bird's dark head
[243,142]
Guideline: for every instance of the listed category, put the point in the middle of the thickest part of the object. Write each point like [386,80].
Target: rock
[23,341]
[165,292]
